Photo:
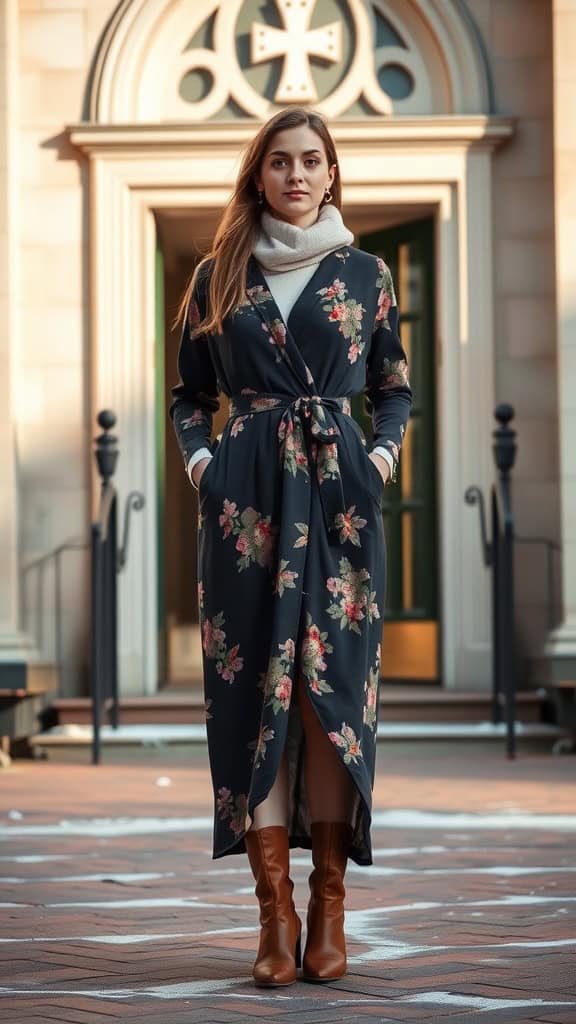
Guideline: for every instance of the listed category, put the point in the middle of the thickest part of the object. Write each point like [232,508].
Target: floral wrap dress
[291,552]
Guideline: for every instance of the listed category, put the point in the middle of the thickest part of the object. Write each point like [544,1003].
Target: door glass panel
[409,505]
[414,463]
[393,607]
[417,553]
[409,478]
[410,278]
[412,343]
[407,561]
[407,332]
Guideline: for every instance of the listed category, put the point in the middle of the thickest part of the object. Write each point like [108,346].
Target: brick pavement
[113,909]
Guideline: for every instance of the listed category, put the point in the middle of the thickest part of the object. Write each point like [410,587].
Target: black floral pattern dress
[292,558]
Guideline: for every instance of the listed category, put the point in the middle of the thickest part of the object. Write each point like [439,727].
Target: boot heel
[298,951]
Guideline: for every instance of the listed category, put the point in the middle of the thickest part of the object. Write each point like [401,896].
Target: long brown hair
[239,225]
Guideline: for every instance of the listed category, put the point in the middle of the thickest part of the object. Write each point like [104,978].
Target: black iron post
[106,447]
[496,612]
[107,561]
[498,554]
[112,566]
[96,640]
[104,581]
[504,449]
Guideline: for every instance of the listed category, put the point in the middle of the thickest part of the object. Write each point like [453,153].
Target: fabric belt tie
[306,420]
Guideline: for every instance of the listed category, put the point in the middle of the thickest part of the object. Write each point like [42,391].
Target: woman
[289,321]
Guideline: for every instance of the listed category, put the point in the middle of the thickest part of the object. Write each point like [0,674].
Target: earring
[327,196]
[260,197]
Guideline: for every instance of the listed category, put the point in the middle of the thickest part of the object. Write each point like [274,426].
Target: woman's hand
[382,466]
[198,471]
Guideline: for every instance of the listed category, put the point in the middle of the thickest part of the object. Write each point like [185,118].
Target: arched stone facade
[403,58]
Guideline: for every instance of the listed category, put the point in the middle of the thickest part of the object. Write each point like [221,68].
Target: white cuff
[385,455]
[202,453]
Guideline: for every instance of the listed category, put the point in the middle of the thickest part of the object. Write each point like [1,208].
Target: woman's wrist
[382,465]
[197,471]
[202,456]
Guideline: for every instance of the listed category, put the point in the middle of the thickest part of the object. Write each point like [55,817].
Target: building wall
[57,44]
[518,38]
[8,542]
[560,651]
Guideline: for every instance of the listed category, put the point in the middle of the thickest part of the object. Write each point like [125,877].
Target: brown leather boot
[325,952]
[279,948]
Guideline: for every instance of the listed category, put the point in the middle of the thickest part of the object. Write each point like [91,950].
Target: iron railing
[498,554]
[34,577]
[107,560]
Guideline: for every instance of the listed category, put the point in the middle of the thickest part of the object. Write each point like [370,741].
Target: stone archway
[145,54]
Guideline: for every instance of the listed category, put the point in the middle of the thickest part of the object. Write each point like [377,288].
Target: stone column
[561,645]
[12,644]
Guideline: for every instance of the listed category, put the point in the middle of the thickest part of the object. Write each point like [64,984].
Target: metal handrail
[107,560]
[40,564]
[498,555]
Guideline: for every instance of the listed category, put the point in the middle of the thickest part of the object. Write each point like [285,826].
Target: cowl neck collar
[282,247]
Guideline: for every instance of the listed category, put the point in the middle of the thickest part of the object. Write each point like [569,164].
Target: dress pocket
[369,474]
[376,476]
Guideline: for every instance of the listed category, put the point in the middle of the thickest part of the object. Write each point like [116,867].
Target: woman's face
[295,175]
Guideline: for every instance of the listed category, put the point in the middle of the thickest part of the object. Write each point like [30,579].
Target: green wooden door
[411,634]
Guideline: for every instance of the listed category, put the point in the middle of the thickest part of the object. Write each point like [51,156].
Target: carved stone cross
[297,43]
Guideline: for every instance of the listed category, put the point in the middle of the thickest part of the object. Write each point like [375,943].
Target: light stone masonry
[53,39]
[562,643]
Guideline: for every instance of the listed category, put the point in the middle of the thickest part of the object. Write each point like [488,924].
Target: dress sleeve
[195,397]
[388,391]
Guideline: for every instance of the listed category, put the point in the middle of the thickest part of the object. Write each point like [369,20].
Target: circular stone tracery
[406,59]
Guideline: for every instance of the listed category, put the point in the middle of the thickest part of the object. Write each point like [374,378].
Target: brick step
[397,704]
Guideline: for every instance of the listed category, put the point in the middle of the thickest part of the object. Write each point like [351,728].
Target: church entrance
[411,624]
